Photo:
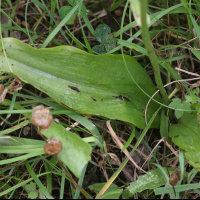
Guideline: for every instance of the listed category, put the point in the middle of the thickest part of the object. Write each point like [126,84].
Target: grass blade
[114,176]
[37,181]
[60,25]
[129,140]
[178,188]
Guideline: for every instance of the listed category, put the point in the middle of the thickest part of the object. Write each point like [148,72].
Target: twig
[170,147]
[194,74]
[119,144]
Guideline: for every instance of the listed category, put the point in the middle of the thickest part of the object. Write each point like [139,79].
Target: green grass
[172,42]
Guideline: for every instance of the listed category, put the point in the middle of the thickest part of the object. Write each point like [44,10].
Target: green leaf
[178,188]
[33,195]
[73,2]
[186,135]
[20,184]
[193,98]
[12,141]
[98,186]
[4,187]
[110,42]
[37,180]
[64,11]
[130,139]
[185,4]
[164,127]
[96,85]
[101,32]
[115,175]
[31,186]
[102,35]
[177,104]
[10,130]
[188,98]
[83,8]
[115,4]
[112,195]
[113,192]
[73,145]
[196,91]
[196,53]
[151,180]
[75,152]
[196,26]
[99,49]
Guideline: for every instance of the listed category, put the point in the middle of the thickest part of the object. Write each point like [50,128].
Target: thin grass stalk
[151,53]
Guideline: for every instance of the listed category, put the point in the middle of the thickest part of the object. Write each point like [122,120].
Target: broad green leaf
[186,135]
[197,108]
[151,180]
[98,186]
[99,49]
[73,2]
[112,195]
[192,96]
[188,98]
[113,192]
[83,8]
[101,32]
[64,11]
[75,152]
[31,186]
[96,85]
[33,195]
[102,35]
[178,104]
[111,42]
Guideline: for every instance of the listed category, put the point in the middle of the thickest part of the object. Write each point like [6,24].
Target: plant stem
[71,177]
[66,170]
[151,53]
[174,92]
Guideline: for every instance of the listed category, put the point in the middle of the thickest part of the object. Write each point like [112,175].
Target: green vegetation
[120,87]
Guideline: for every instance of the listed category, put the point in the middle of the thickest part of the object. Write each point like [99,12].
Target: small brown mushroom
[53,147]
[174,178]
[42,117]
[118,13]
